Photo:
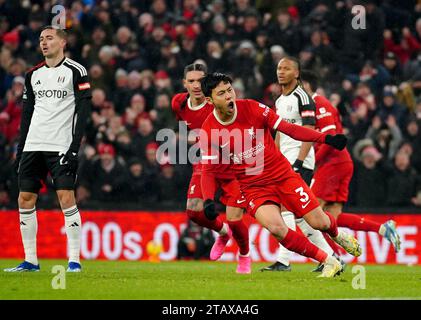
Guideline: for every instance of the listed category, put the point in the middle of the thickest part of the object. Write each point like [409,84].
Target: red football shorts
[331,181]
[292,192]
[231,194]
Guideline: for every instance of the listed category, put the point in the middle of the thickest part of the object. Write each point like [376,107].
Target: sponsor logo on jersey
[60,94]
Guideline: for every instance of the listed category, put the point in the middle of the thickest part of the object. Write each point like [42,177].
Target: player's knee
[195,204]
[234,214]
[278,231]
[26,200]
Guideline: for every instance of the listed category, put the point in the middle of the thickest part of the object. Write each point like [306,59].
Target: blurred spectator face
[214,49]
[283,18]
[368,159]
[363,90]
[103,16]
[388,100]
[35,24]
[135,80]
[98,36]
[316,38]
[151,154]
[17,67]
[124,138]
[242,4]
[159,7]
[137,102]
[163,101]
[305,56]
[246,49]
[136,169]
[158,34]
[390,63]
[123,35]
[105,54]
[406,148]
[347,85]
[168,171]
[193,85]
[121,78]
[191,5]
[418,26]
[145,126]
[412,128]
[218,24]
[402,161]
[287,71]
[146,22]
[96,72]
[277,53]
[98,97]
[261,40]
[188,43]
[162,80]
[17,86]
[115,123]
[106,153]
[250,23]
[107,110]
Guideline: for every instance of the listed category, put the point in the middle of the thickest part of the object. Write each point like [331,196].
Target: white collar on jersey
[228,122]
[200,106]
[314,95]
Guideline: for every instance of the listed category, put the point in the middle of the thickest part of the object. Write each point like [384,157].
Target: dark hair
[297,64]
[211,81]
[195,67]
[60,32]
[310,77]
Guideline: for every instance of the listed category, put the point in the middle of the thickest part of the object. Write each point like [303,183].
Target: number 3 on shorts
[303,195]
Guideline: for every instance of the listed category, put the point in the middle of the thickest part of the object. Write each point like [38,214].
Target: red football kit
[194,118]
[334,168]
[245,145]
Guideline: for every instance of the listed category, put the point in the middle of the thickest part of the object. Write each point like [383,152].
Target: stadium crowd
[135,52]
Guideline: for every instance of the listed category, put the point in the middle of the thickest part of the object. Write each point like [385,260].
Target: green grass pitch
[205,280]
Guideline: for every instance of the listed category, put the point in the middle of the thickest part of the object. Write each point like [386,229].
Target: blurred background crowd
[135,52]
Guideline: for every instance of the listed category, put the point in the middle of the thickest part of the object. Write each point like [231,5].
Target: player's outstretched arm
[296,132]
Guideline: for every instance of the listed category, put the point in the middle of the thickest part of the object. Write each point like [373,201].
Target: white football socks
[284,254]
[73,225]
[28,230]
[315,236]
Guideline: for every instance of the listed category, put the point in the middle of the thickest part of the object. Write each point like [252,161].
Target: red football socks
[200,218]
[240,233]
[355,222]
[333,229]
[297,242]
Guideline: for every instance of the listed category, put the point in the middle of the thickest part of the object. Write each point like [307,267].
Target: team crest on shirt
[251,133]
[322,110]
[289,108]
